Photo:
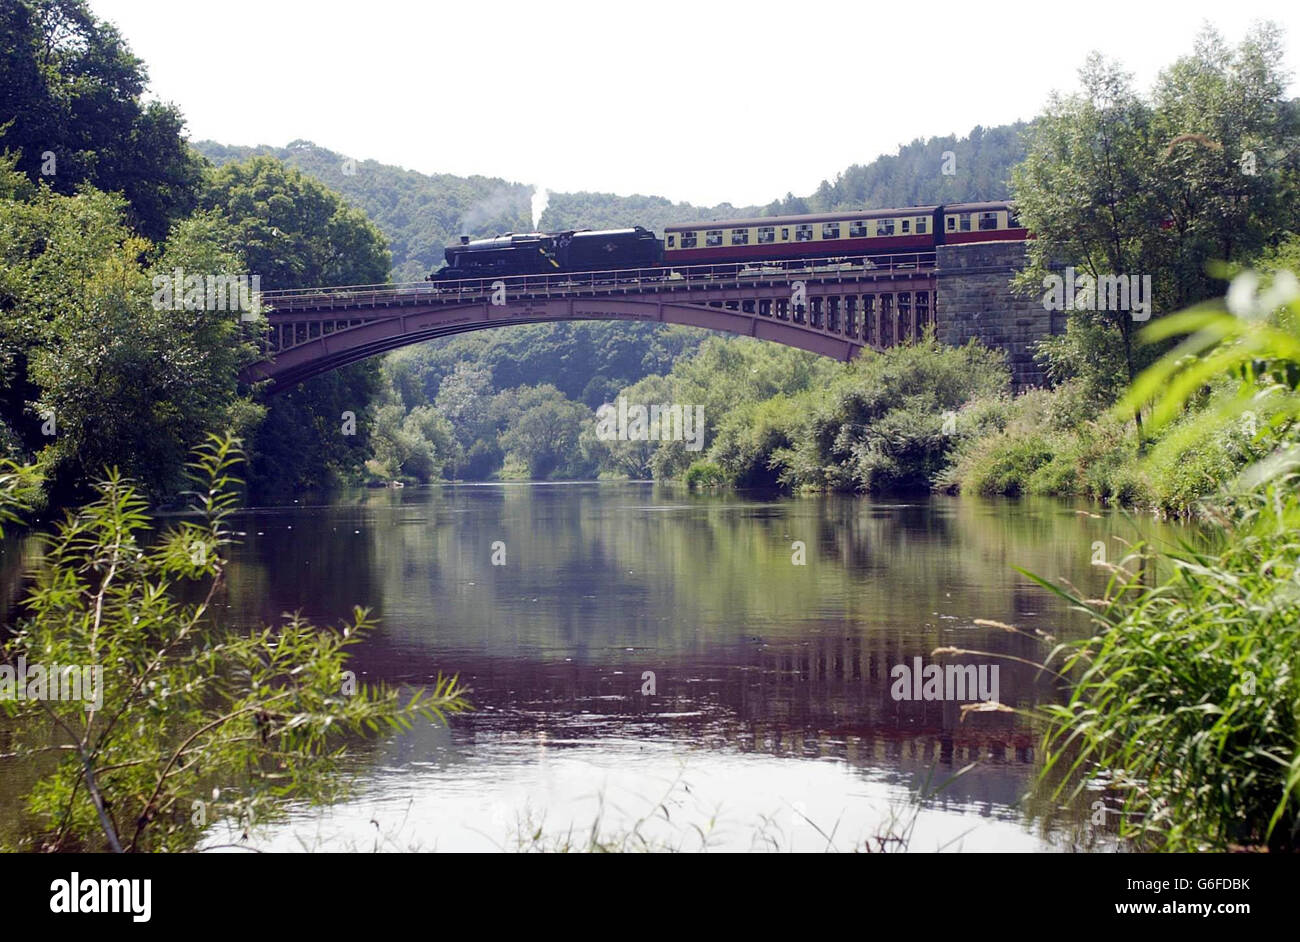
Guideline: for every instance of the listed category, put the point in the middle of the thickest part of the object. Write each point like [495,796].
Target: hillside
[422,213]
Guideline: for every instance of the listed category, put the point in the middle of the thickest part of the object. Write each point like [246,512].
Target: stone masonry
[974,299]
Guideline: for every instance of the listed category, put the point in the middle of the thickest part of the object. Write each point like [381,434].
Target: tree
[416,446]
[1229,156]
[99,374]
[296,233]
[1086,191]
[172,707]
[543,429]
[71,99]
[1202,171]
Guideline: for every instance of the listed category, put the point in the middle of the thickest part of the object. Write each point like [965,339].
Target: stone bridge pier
[973,299]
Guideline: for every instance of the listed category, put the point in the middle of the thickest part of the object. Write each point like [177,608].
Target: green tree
[1202,170]
[71,100]
[543,430]
[414,446]
[296,233]
[1086,190]
[100,374]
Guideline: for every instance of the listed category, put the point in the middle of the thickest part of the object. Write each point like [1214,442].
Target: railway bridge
[835,307]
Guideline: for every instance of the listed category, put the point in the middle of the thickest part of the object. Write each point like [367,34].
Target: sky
[708,101]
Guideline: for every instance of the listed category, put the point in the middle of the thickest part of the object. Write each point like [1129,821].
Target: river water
[672,669]
[656,665]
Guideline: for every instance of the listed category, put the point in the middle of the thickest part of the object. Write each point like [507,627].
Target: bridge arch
[834,310]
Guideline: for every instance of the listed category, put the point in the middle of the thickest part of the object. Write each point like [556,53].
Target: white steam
[540,198]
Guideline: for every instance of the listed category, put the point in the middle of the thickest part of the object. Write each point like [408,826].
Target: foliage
[419,214]
[98,374]
[542,431]
[1186,700]
[415,446]
[293,232]
[892,421]
[194,721]
[981,164]
[704,474]
[1113,183]
[71,104]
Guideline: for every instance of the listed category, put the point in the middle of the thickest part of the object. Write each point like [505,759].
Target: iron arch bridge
[831,306]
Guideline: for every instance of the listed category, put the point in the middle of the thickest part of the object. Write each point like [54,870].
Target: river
[681,670]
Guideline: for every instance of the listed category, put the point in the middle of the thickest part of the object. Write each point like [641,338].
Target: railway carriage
[980,222]
[863,232]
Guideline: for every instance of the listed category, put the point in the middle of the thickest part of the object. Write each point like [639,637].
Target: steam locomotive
[739,241]
[537,253]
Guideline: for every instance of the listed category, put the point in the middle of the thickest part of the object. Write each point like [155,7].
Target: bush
[893,419]
[184,707]
[705,474]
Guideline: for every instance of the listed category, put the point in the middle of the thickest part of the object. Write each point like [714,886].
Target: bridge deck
[586,284]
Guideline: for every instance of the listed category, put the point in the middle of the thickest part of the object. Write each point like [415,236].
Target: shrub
[185,707]
[705,474]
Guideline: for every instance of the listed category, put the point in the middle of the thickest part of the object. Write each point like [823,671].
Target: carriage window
[952,223]
[803,233]
[766,233]
[688,240]
[740,237]
[921,225]
[1013,222]
[907,226]
[830,230]
[988,221]
[884,227]
[858,229]
[713,238]
[672,241]
[785,233]
[965,222]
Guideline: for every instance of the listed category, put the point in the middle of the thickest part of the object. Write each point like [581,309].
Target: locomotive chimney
[464,240]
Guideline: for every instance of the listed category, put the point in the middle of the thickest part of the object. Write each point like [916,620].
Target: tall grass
[1186,699]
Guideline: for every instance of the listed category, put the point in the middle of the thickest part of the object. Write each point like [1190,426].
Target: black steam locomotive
[539,253]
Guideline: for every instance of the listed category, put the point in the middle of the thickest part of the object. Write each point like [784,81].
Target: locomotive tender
[736,241]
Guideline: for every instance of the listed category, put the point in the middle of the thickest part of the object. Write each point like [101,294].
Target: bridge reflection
[821,698]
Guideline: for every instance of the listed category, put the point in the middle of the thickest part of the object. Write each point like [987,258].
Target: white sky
[706,101]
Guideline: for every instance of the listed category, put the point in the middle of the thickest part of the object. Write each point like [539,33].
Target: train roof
[987,206]
[840,216]
[801,219]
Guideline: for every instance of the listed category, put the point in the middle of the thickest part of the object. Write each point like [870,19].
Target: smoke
[498,206]
[540,198]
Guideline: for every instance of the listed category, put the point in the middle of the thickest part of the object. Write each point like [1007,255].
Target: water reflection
[771,702]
